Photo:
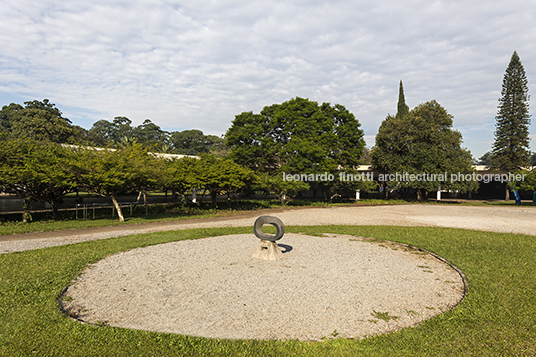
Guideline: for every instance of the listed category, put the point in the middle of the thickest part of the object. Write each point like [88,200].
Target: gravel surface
[323,287]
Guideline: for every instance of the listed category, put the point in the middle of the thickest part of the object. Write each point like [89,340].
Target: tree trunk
[54,207]
[118,208]
[26,215]
[422,195]
[507,194]
[214,196]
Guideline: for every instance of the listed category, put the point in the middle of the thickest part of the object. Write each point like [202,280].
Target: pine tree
[511,147]
[402,108]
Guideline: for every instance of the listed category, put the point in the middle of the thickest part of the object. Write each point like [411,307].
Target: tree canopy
[220,174]
[423,141]
[297,136]
[121,133]
[109,172]
[194,142]
[43,121]
[37,120]
[402,108]
[36,171]
[485,159]
[511,146]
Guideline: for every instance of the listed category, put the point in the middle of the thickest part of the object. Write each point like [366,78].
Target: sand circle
[324,287]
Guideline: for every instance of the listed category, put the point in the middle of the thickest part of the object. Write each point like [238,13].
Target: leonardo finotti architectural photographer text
[405,177]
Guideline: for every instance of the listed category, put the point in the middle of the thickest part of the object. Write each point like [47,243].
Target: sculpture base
[267,250]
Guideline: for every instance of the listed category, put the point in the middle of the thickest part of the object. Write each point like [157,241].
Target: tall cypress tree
[511,147]
[402,108]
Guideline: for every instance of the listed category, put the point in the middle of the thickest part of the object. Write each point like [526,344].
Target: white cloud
[197,64]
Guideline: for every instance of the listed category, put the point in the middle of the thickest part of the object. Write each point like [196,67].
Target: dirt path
[146,227]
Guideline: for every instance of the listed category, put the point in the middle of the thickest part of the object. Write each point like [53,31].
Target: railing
[85,206]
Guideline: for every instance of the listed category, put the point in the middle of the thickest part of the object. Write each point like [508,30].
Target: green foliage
[104,172]
[217,175]
[150,135]
[284,190]
[402,108]
[109,172]
[102,133]
[423,141]
[485,159]
[194,142]
[529,183]
[210,173]
[348,184]
[119,133]
[297,136]
[179,174]
[365,157]
[8,116]
[36,171]
[37,120]
[511,146]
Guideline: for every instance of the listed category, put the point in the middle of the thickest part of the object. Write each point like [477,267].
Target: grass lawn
[495,319]
[166,212]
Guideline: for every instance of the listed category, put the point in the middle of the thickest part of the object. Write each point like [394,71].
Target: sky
[196,64]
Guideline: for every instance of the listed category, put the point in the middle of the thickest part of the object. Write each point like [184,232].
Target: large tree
[297,136]
[485,159]
[217,175]
[105,133]
[179,175]
[102,133]
[109,172]
[120,133]
[511,146]
[38,120]
[150,135]
[422,142]
[194,142]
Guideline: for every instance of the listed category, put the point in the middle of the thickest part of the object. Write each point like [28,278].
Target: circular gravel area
[324,287]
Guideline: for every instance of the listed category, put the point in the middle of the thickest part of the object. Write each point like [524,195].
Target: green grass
[495,319]
[157,213]
[11,227]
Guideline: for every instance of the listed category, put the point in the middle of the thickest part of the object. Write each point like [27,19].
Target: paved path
[489,218]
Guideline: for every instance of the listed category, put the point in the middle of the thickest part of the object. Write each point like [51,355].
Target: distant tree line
[43,121]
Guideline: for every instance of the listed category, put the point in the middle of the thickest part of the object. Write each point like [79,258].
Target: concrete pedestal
[267,250]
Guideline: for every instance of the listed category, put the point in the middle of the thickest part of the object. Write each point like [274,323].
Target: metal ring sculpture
[274,221]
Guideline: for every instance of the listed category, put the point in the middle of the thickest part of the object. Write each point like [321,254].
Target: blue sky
[196,64]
